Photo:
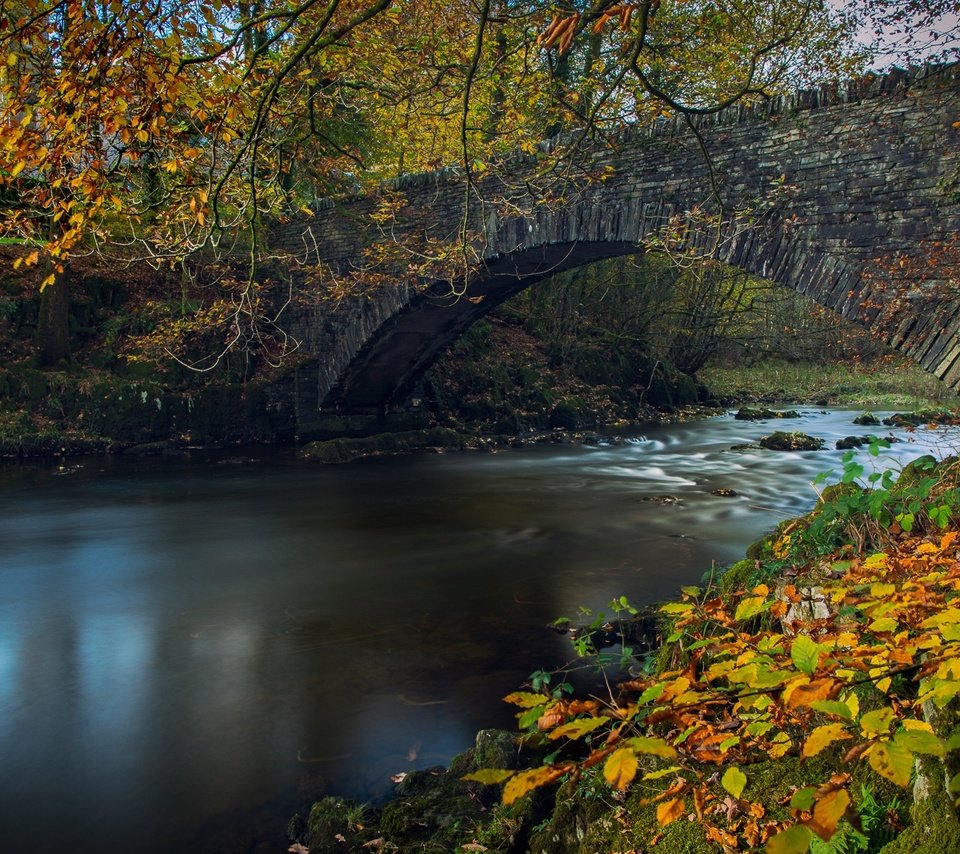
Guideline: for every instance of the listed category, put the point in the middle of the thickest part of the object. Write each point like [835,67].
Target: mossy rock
[921,417]
[739,575]
[867,419]
[566,416]
[781,441]
[850,443]
[751,413]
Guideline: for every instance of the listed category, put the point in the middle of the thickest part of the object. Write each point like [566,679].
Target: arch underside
[382,374]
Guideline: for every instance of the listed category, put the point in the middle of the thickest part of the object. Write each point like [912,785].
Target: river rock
[780,441]
[750,413]
[867,419]
[852,442]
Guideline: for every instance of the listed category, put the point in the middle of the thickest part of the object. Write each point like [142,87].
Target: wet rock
[723,492]
[852,442]
[780,441]
[867,419]
[921,417]
[751,413]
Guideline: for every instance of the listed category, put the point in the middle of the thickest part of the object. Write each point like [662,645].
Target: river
[193,648]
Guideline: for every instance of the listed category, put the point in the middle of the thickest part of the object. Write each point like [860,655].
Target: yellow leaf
[892,761]
[733,781]
[578,728]
[17,169]
[877,722]
[526,781]
[750,607]
[827,812]
[620,768]
[525,700]
[652,746]
[670,811]
[793,840]
[822,737]
[489,776]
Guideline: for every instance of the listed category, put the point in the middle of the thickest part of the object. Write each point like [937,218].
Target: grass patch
[886,384]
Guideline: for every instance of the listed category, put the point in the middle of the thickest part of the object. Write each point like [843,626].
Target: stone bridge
[850,195]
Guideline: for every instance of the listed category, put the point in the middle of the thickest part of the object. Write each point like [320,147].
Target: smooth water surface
[193,649]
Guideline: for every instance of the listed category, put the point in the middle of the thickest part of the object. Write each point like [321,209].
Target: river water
[194,648]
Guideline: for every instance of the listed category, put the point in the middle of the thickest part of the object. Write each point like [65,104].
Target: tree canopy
[158,131]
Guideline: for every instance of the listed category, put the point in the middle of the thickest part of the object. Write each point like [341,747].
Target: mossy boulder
[920,417]
[781,441]
[849,443]
[566,415]
[753,413]
[867,419]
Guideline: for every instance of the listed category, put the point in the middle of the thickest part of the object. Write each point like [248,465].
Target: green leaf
[652,693]
[805,653]
[833,707]
[920,741]
[530,717]
[489,776]
[793,840]
[733,781]
[803,799]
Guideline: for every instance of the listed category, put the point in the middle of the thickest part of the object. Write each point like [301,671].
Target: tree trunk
[53,327]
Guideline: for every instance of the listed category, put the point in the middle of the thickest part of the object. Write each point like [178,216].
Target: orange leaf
[818,689]
[670,811]
[827,812]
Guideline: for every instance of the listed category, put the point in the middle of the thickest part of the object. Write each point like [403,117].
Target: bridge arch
[850,196]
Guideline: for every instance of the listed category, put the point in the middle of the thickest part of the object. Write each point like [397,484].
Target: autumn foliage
[855,656]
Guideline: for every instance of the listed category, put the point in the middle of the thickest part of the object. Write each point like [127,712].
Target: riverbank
[806,694]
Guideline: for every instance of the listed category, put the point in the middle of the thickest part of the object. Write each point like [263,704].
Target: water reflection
[190,651]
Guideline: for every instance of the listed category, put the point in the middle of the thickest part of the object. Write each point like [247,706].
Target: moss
[738,576]
[752,413]
[934,828]
[566,416]
[781,441]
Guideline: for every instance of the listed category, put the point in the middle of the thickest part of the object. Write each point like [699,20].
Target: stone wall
[844,194]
